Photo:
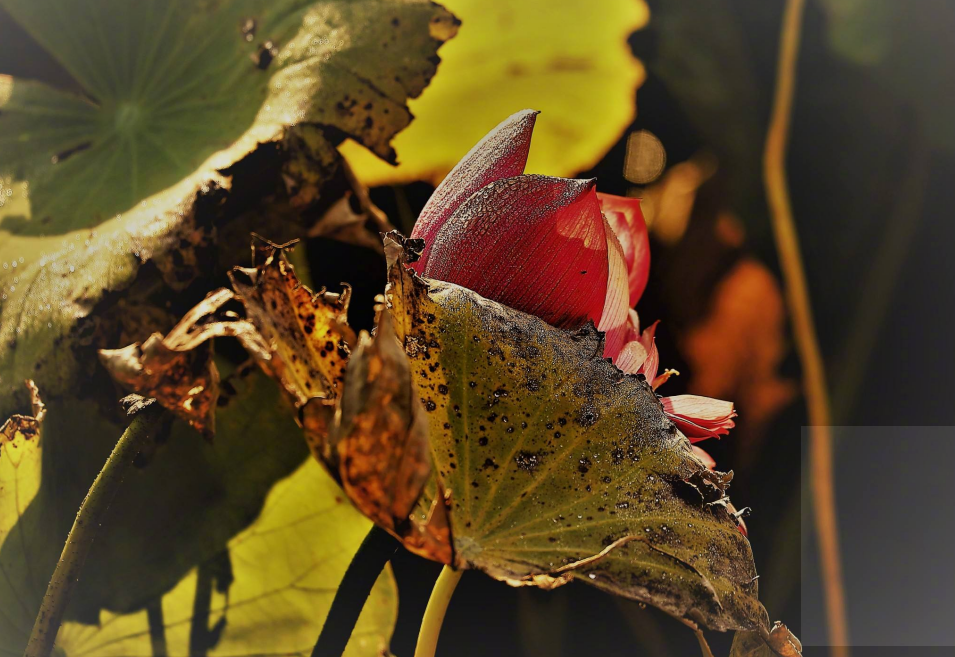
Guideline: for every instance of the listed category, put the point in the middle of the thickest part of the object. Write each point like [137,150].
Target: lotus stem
[87,525]
[807,344]
[434,613]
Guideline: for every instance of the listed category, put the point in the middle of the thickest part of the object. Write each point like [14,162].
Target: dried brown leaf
[178,369]
[381,439]
[775,641]
[306,333]
[25,427]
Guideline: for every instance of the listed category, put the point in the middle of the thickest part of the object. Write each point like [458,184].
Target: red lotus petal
[534,243]
[613,319]
[625,217]
[501,154]
[698,417]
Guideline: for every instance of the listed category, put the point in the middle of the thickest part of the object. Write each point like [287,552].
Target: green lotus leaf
[557,465]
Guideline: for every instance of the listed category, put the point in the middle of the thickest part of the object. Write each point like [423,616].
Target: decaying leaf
[354,218]
[178,370]
[776,641]
[281,572]
[19,428]
[298,337]
[202,109]
[381,438]
[21,451]
[307,333]
[555,463]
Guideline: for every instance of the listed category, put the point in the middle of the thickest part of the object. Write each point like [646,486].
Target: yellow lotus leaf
[570,60]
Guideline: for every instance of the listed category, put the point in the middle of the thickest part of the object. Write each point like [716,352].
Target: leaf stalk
[434,613]
[89,520]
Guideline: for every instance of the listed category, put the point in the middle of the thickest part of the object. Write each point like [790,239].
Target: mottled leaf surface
[559,465]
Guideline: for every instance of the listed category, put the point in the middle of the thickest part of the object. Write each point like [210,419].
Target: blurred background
[669,100]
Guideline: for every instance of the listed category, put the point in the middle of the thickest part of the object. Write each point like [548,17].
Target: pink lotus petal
[700,417]
[631,357]
[534,243]
[704,456]
[501,154]
[625,217]
[639,353]
[652,364]
[613,319]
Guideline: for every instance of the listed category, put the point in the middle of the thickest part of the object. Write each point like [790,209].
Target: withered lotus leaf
[766,643]
[555,464]
[381,438]
[178,369]
[307,333]
[18,429]
[299,338]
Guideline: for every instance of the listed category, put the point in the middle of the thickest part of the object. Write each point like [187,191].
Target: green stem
[434,613]
[88,521]
[375,551]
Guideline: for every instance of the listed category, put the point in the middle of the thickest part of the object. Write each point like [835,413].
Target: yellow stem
[807,344]
[434,612]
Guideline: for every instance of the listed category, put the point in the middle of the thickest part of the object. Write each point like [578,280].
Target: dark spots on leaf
[533,385]
[587,416]
[266,53]
[529,461]
[443,389]
[622,505]
[489,463]
[616,456]
[482,441]
[430,405]
[59,157]
[584,465]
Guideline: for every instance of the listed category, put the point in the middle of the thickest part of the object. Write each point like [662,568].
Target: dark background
[871,183]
